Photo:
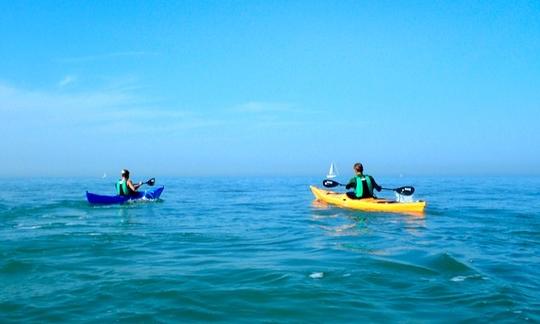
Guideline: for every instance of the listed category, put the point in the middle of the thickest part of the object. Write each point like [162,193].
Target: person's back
[363,184]
[124,186]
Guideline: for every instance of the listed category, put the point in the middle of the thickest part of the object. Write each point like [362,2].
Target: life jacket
[122,188]
[359,191]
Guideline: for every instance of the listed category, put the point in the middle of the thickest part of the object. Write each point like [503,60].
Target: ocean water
[260,250]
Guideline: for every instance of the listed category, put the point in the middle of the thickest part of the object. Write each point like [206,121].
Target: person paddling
[362,184]
[124,186]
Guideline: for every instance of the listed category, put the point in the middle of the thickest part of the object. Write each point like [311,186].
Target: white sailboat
[332,173]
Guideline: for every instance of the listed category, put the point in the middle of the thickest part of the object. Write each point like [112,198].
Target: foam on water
[317,275]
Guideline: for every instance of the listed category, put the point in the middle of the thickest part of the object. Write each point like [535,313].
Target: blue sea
[260,250]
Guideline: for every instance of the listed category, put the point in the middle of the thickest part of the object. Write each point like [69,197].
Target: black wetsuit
[366,192]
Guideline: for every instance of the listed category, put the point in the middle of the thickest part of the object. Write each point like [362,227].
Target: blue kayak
[151,194]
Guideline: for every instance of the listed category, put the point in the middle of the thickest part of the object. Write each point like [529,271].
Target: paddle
[331,183]
[149,182]
[405,191]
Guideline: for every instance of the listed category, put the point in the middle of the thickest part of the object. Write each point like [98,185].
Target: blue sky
[194,88]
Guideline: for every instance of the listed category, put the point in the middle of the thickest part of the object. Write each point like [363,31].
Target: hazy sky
[269,87]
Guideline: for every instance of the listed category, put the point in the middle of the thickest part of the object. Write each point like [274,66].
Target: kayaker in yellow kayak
[124,186]
[363,184]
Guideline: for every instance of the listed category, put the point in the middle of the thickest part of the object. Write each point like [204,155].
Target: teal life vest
[122,188]
[359,191]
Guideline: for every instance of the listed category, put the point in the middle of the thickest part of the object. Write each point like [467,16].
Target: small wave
[341,230]
[15,267]
[28,227]
[463,278]
[322,217]
[400,267]
[446,263]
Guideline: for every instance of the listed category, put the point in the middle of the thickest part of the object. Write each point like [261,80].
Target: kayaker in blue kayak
[362,184]
[124,186]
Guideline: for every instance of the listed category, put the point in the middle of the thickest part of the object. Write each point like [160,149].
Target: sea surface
[260,250]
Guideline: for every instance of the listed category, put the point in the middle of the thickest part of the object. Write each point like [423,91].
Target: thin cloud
[16,99]
[97,110]
[263,107]
[67,80]
[106,56]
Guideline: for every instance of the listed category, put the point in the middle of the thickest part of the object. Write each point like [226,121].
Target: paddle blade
[151,182]
[330,183]
[405,191]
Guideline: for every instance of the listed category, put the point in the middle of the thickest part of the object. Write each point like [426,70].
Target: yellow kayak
[367,204]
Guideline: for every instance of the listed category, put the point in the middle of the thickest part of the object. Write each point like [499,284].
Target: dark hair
[358,167]
[125,173]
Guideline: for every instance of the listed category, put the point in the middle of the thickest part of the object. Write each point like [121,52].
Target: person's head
[358,168]
[125,173]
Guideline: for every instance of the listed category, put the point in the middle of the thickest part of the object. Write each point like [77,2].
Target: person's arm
[132,186]
[375,185]
[351,184]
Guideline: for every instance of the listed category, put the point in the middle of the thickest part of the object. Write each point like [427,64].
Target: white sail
[332,173]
